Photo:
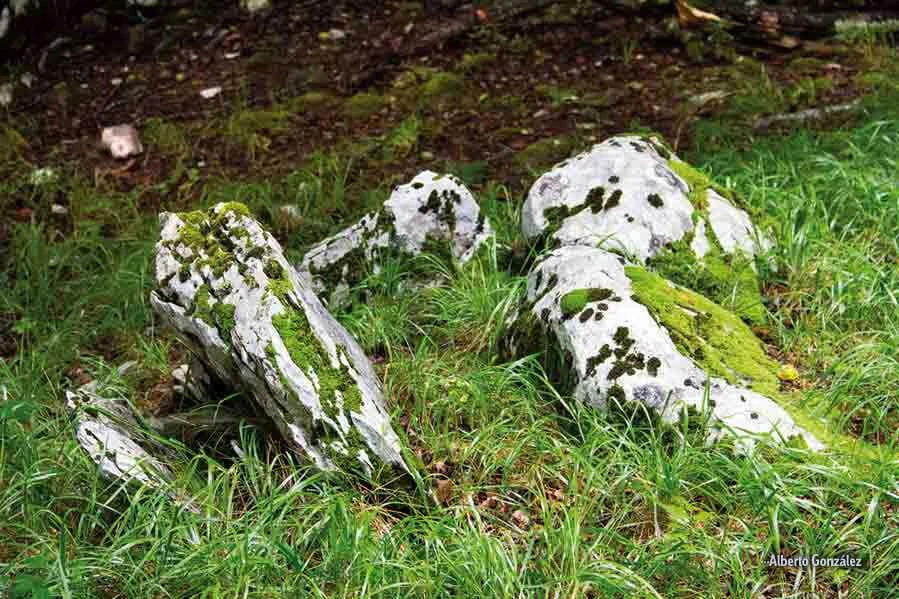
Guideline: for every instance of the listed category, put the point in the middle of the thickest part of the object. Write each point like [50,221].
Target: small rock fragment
[6,94]
[122,141]
[108,431]
[211,92]
[254,6]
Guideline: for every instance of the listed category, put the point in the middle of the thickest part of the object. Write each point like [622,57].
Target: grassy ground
[527,493]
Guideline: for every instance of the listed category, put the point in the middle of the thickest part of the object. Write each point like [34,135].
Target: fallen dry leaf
[444,491]
[521,519]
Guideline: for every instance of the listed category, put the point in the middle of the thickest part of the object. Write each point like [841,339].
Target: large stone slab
[622,334]
[427,213]
[224,285]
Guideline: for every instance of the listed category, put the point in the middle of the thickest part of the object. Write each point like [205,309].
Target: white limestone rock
[224,285]
[122,141]
[733,228]
[624,195]
[429,208]
[109,433]
[618,350]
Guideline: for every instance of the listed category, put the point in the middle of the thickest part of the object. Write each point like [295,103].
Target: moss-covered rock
[363,105]
[712,336]
[430,213]
[617,335]
[224,285]
[632,195]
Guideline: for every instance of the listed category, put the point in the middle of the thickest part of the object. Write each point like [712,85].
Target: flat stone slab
[109,433]
[224,285]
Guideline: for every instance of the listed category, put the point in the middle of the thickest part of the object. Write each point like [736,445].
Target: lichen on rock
[224,285]
[618,333]
[632,195]
[430,210]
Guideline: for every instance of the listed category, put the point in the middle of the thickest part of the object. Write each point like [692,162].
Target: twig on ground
[804,115]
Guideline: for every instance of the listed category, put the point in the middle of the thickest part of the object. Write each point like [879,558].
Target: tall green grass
[526,493]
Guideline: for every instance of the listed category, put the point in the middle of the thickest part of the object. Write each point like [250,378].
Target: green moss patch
[307,352]
[545,153]
[442,85]
[715,338]
[727,280]
[475,61]
[575,301]
[699,184]
[361,106]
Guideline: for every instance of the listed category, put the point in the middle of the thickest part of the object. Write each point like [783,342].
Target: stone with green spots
[224,285]
[654,343]
[631,194]
[431,211]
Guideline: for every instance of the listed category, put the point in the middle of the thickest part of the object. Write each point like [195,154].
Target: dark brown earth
[625,72]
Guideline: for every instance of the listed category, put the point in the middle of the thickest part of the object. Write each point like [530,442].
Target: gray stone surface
[108,432]
[224,285]
[429,208]
[618,350]
[623,195]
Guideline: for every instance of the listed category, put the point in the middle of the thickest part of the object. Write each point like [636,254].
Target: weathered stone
[254,6]
[633,195]
[224,285]
[431,209]
[122,141]
[623,334]
[6,94]
[107,430]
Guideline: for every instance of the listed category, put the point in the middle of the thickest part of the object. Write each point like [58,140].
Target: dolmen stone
[225,287]
[620,221]
[633,194]
[427,213]
[624,334]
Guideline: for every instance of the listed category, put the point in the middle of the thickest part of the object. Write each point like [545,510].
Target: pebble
[122,141]
[5,94]
[211,92]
